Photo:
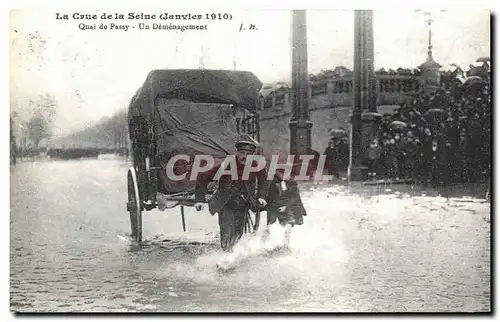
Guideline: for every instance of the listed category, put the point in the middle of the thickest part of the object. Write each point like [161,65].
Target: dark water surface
[398,251]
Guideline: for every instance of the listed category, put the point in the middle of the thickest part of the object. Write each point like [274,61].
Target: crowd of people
[441,136]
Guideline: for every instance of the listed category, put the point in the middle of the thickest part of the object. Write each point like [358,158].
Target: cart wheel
[134,205]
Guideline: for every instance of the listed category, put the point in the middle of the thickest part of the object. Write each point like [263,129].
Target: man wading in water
[285,206]
[234,196]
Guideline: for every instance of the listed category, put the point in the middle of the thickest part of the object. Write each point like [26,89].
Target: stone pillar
[377,88]
[370,128]
[365,119]
[300,136]
[300,126]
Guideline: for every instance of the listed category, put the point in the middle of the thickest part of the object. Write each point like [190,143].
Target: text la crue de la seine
[143,16]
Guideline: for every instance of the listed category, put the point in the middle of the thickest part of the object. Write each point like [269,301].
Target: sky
[94,73]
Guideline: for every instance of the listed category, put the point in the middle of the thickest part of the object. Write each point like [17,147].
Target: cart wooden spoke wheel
[134,206]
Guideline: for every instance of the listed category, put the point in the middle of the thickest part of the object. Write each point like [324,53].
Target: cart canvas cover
[193,112]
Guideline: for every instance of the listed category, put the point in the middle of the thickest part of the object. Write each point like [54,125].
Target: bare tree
[39,126]
[13,146]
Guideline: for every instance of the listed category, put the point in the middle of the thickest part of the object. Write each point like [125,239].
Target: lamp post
[428,23]
[430,69]
[300,125]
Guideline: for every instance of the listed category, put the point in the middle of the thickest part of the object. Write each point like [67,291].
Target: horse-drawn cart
[185,112]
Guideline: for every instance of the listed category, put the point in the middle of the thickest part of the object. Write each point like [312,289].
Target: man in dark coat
[284,205]
[436,158]
[234,198]
[373,155]
[332,154]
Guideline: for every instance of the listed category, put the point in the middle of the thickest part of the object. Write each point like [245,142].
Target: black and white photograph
[175,160]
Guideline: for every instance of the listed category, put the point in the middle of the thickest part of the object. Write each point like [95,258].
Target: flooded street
[400,252]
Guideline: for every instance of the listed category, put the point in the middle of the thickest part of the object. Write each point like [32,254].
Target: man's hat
[246,142]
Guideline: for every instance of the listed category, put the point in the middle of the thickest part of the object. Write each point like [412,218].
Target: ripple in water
[360,249]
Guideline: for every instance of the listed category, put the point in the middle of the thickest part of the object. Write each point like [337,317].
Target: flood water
[360,250]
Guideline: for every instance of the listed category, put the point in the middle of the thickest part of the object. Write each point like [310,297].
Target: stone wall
[391,90]
[275,134]
[330,105]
